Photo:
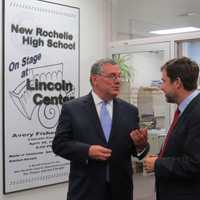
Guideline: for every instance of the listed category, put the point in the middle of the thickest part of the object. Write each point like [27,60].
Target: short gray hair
[97,66]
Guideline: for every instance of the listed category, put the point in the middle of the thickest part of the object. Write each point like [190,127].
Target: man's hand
[149,163]
[139,137]
[99,152]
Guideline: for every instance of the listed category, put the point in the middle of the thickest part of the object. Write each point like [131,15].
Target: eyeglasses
[111,77]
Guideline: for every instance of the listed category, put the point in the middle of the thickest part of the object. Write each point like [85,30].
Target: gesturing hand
[99,152]
[139,137]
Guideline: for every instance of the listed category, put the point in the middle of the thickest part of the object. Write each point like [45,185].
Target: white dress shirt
[98,103]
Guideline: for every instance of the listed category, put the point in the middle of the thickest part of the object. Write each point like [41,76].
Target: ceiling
[136,18]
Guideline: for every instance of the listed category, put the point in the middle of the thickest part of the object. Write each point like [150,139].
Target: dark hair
[97,66]
[185,69]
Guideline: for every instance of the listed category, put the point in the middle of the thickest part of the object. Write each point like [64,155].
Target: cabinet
[156,139]
[125,91]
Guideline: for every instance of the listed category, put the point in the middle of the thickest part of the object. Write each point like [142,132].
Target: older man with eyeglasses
[98,133]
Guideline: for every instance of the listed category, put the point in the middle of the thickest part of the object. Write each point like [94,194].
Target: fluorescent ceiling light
[175,30]
[188,14]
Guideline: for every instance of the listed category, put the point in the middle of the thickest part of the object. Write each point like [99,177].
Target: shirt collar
[98,100]
[187,100]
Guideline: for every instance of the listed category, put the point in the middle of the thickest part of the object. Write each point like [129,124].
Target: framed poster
[40,72]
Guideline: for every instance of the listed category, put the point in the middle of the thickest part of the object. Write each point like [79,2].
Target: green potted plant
[126,74]
[126,70]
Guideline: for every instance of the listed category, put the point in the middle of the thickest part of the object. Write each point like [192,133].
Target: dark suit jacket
[178,172]
[78,128]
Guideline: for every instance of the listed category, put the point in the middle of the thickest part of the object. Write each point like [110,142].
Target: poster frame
[3,87]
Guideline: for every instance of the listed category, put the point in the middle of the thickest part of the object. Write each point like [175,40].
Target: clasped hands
[149,163]
[99,152]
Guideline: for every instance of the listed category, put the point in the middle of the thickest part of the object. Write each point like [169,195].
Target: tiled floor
[143,187]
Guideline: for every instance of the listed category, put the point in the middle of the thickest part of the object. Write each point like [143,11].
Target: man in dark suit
[177,167]
[97,133]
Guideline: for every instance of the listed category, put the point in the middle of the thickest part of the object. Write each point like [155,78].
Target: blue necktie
[106,121]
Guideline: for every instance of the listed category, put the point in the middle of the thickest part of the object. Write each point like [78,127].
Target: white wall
[93,45]
[147,67]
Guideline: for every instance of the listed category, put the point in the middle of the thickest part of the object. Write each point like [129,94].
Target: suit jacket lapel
[90,108]
[182,119]
[115,119]
[191,105]
[185,113]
